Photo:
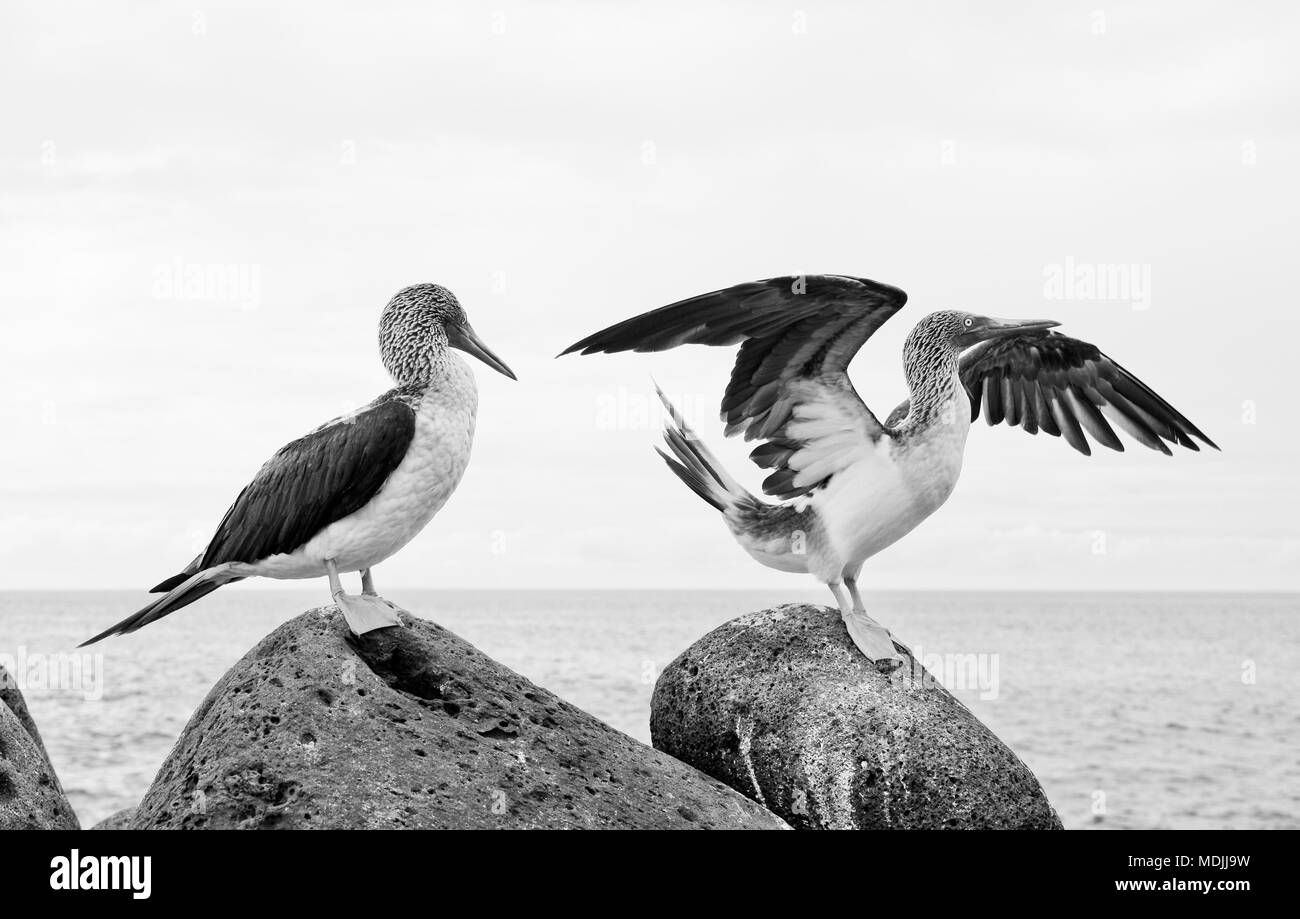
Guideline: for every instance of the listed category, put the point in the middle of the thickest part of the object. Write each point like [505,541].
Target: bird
[355,490]
[846,484]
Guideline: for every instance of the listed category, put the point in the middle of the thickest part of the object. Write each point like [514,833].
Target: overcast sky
[561,166]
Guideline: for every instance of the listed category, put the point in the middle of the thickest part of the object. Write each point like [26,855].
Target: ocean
[1134,710]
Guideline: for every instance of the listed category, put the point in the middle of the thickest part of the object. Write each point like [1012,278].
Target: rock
[780,705]
[413,727]
[119,821]
[30,795]
[11,696]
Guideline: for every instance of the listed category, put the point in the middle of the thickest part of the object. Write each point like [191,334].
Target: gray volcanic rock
[780,705]
[413,727]
[12,697]
[119,821]
[30,795]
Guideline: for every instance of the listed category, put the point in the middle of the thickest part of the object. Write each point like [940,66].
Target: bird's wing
[1048,381]
[314,481]
[789,386]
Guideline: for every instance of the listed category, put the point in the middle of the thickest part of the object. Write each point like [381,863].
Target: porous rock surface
[413,727]
[31,797]
[781,706]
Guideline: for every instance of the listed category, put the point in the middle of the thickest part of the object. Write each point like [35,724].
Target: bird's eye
[969,321]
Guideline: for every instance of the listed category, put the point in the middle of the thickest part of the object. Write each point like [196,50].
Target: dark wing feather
[314,481]
[797,335]
[1069,388]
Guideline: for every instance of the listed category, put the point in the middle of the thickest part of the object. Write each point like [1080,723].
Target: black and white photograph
[728,416]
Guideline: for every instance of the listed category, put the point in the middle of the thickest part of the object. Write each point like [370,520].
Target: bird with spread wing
[847,484]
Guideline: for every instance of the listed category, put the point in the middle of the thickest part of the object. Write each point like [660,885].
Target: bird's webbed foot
[368,612]
[873,640]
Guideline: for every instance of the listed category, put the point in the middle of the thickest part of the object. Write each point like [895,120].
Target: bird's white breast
[883,497]
[413,493]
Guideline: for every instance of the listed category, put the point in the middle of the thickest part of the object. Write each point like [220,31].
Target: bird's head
[418,326]
[960,330]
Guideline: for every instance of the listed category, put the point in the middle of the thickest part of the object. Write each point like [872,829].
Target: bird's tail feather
[194,587]
[697,467]
[191,569]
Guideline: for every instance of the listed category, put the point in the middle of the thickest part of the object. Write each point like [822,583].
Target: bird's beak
[464,338]
[986,327]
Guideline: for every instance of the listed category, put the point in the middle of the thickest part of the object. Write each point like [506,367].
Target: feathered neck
[930,363]
[413,347]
